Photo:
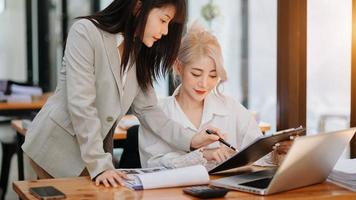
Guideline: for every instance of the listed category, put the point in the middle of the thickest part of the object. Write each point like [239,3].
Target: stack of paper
[26,90]
[18,98]
[344,174]
[20,93]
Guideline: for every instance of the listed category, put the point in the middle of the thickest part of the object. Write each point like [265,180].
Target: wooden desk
[23,108]
[16,124]
[120,133]
[84,188]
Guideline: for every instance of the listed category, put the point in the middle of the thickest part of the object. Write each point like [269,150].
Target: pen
[220,139]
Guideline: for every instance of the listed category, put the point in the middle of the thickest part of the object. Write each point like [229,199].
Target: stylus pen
[220,139]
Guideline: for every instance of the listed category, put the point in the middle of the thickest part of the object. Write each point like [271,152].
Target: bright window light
[2,6]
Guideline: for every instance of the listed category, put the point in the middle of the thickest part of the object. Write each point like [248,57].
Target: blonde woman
[197,105]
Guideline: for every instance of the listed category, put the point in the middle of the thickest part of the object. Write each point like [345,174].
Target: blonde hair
[198,43]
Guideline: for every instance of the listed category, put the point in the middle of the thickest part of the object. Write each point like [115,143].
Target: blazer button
[109,119]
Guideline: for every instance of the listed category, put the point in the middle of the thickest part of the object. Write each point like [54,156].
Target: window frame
[291,63]
[353,80]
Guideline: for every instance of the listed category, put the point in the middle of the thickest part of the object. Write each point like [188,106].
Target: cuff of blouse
[186,141]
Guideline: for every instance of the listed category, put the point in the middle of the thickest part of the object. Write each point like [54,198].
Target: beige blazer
[67,135]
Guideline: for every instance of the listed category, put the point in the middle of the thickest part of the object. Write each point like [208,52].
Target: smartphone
[47,192]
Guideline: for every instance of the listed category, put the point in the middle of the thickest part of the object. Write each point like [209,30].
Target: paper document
[344,174]
[346,165]
[26,90]
[15,98]
[128,121]
[151,178]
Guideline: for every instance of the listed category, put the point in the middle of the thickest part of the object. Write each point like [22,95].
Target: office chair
[130,156]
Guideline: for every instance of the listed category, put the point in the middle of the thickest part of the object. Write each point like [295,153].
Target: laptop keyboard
[260,183]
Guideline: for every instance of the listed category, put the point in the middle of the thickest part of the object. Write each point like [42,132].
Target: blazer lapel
[113,57]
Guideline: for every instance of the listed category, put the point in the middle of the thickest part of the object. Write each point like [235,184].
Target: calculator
[205,192]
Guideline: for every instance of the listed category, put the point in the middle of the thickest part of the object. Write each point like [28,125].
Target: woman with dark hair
[110,61]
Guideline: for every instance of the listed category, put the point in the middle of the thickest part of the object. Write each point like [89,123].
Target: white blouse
[222,112]
[119,39]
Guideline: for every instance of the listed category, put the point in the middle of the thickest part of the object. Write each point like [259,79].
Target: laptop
[309,161]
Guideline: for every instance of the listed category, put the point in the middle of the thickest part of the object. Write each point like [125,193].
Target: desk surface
[34,105]
[83,188]
[120,134]
[22,105]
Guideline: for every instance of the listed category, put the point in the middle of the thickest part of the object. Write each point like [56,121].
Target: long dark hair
[151,63]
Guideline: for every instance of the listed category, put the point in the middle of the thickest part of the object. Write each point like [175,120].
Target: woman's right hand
[202,139]
[111,177]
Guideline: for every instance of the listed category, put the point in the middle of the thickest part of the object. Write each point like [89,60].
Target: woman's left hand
[281,149]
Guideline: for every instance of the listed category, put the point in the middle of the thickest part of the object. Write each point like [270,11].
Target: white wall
[13,58]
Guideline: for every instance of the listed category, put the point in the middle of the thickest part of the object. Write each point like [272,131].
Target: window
[13,62]
[262,64]
[247,32]
[329,65]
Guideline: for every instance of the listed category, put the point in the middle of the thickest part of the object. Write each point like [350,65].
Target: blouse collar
[213,105]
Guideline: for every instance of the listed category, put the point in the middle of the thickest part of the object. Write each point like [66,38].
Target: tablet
[256,150]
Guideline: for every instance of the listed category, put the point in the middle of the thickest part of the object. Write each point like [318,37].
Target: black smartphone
[47,192]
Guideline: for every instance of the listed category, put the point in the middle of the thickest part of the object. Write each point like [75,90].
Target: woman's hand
[111,177]
[281,149]
[203,139]
[218,154]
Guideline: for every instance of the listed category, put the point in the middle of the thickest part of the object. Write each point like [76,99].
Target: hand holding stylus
[220,139]
[202,139]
